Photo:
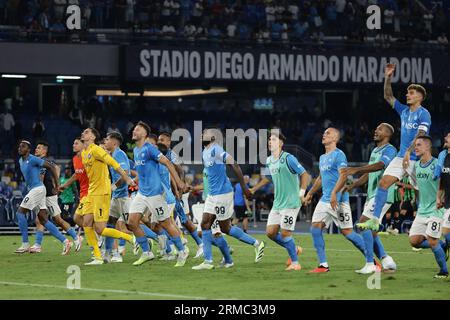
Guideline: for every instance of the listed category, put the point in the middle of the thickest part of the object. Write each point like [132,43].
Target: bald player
[371,175]
[330,164]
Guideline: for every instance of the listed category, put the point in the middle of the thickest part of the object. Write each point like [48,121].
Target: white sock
[25,244]
[256,244]
[324,264]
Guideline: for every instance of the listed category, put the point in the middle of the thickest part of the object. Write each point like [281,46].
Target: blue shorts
[179,212]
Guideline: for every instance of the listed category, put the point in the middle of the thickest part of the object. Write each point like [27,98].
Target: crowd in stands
[263,21]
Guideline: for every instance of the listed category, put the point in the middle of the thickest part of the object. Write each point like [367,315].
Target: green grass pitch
[44,276]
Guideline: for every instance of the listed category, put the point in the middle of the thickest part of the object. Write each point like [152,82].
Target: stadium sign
[145,63]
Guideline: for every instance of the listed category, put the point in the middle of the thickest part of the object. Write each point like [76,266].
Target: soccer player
[120,202]
[31,166]
[199,208]
[96,209]
[415,122]
[284,171]
[164,142]
[443,198]
[82,178]
[241,205]
[151,195]
[426,229]
[52,206]
[371,174]
[219,203]
[330,210]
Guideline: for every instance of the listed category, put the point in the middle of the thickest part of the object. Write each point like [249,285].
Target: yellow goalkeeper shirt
[96,162]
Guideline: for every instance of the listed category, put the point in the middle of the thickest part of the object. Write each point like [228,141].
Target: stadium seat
[3,211]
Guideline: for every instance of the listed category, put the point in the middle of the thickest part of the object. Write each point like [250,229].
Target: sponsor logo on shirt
[422,175]
[410,125]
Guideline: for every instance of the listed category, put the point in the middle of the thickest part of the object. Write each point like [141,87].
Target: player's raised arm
[388,93]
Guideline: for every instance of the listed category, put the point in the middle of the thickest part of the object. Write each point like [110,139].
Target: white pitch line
[423,251]
[152,294]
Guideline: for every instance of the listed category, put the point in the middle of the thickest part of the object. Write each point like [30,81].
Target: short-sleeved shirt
[428,186]
[214,160]
[96,162]
[443,171]
[31,170]
[81,176]
[329,166]
[165,179]
[411,123]
[284,172]
[385,154]
[146,160]
[121,157]
[48,180]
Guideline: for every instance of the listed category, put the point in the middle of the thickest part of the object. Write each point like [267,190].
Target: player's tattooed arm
[173,172]
[388,93]
[52,167]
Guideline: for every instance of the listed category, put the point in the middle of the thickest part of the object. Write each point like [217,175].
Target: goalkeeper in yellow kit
[96,208]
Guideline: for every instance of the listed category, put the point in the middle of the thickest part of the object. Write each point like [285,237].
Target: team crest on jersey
[433,167]
[282,160]
[89,156]
[209,163]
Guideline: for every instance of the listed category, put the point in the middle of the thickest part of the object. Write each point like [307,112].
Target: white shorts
[446,223]
[341,217]
[220,205]
[197,210]
[119,208]
[369,207]
[35,198]
[52,205]
[157,206]
[285,218]
[185,202]
[395,169]
[423,226]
